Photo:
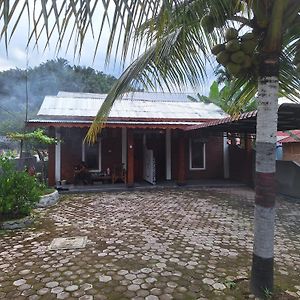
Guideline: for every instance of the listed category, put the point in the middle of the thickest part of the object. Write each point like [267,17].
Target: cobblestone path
[167,244]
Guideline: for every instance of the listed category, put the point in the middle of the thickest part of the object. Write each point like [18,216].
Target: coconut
[238,57]
[248,46]
[248,36]
[247,62]
[207,22]
[255,59]
[217,48]
[231,34]
[233,69]
[232,46]
[223,58]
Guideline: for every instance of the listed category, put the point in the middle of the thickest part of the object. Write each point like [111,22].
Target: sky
[17,53]
[17,56]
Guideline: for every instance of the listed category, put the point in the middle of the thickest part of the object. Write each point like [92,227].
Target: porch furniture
[97,175]
[118,173]
[82,174]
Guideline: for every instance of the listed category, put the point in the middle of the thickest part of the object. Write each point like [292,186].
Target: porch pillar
[100,154]
[168,154]
[51,159]
[225,157]
[181,177]
[124,147]
[130,159]
[249,161]
[57,156]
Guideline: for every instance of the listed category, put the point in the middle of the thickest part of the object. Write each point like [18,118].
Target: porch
[146,156]
[120,187]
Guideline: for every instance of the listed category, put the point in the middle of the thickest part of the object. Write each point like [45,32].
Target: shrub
[19,191]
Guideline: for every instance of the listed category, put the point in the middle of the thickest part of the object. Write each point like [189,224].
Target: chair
[118,173]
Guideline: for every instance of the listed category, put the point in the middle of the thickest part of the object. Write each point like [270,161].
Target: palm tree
[220,97]
[175,39]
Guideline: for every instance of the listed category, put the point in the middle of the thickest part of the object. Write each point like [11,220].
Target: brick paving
[167,244]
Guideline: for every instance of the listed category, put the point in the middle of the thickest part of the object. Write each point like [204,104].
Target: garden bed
[17,223]
[48,199]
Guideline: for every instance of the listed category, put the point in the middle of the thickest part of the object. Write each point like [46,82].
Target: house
[144,133]
[290,143]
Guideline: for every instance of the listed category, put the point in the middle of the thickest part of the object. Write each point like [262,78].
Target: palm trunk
[265,193]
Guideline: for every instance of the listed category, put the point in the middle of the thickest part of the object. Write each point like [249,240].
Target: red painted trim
[80,118]
[84,125]
[265,189]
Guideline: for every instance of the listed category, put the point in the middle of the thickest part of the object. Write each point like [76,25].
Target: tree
[220,97]
[48,78]
[35,141]
[175,39]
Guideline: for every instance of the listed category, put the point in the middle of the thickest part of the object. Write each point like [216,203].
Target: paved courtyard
[164,244]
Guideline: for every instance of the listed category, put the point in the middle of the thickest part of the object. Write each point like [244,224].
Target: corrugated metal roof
[133,105]
[293,138]
[145,96]
[288,119]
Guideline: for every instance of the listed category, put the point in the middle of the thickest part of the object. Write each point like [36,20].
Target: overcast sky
[17,56]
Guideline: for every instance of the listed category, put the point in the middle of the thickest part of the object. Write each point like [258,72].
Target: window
[91,155]
[197,154]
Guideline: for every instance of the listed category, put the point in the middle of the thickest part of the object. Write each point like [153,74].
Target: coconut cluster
[237,53]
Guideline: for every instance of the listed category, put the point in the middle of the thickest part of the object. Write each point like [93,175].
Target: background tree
[175,39]
[222,97]
[46,79]
[35,141]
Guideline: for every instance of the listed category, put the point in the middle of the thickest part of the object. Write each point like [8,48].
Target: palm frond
[139,70]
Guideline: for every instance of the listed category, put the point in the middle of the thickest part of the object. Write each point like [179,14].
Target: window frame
[191,168]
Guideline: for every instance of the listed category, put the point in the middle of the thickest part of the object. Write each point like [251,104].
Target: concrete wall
[288,178]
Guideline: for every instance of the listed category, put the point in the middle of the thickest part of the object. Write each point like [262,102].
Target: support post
[83,150]
[100,154]
[57,156]
[168,154]
[124,147]
[130,159]
[226,157]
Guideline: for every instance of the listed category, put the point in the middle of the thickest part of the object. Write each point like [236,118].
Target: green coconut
[248,36]
[217,49]
[223,58]
[247,62]
[248,46]
[207,22]
[237,57]
[232,46]
[233,69]
[255,59]
[231,34]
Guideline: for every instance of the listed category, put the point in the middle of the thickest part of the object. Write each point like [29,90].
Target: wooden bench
[97,175]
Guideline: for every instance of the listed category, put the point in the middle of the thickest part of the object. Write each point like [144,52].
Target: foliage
[37,136]
[19,191]
[35,141]
[220,97]
[46,79]
[170,42]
